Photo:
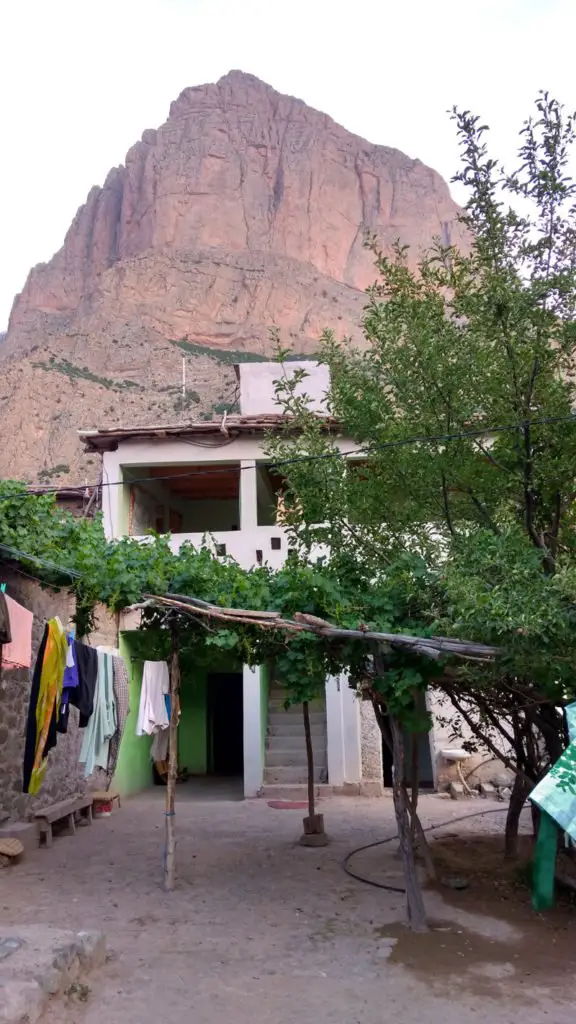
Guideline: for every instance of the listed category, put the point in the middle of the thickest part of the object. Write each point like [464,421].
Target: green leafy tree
[460,407]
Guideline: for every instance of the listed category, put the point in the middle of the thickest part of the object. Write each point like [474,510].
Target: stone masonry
[371,751]
[64,776]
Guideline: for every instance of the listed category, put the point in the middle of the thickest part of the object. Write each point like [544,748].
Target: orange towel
[18,654]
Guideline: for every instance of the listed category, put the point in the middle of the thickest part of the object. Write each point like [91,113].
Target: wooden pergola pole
[170,847]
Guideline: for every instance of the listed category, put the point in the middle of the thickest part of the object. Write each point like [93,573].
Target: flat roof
[107,439]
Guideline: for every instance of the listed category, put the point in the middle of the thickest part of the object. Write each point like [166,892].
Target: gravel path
[263,931]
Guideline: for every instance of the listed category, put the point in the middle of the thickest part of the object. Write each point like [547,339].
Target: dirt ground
[263,930]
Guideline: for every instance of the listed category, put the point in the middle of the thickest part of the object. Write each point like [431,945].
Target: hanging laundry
[161,743]
[122,698]
[44,704]
[5,631]
[102,724]
[152,715]
[18,653]
[82,696]
[70,682]
[159,748]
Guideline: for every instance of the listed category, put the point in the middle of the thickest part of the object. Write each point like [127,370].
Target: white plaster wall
[257,394]
[343,733]
[252,712]
[335,732]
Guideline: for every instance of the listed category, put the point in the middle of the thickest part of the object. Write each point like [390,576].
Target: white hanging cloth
[153,713]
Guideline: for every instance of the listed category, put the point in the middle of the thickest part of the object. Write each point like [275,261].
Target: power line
[216,471]
[16,553]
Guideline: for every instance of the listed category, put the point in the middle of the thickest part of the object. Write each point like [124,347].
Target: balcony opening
[270,486]
[204,498]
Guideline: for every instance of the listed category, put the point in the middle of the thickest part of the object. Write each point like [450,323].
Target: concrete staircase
[285,771]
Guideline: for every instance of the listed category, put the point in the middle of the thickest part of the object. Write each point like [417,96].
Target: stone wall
[449,732]
[64,775]
[371,751]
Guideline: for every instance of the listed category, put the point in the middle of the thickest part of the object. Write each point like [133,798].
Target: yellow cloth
[53,665]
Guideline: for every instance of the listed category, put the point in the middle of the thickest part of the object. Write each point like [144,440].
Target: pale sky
[81,79]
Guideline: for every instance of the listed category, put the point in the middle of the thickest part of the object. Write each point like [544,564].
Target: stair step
[295,729]
[291,774]
[278,717]
[280,701]
[286,758]
[299,792]
[279,697]
[283,741]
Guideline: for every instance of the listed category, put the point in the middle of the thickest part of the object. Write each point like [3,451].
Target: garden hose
[389,839]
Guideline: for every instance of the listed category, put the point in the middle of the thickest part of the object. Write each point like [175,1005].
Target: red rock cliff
[246,209]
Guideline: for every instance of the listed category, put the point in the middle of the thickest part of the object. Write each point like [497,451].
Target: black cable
[415,439]
[380,842]
[15,552]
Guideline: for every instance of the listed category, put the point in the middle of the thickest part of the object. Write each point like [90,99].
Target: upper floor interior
[206,478]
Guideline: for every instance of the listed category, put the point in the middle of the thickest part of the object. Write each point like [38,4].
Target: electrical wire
[381,842]
[16,553]
[384,445]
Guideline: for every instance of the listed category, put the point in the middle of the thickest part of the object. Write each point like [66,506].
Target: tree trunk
[309,760]
[414,783]
[170,855]
[417,834]
[414,897]
[518,797]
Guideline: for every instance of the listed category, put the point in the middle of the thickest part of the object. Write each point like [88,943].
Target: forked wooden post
[170,855]
[309,759]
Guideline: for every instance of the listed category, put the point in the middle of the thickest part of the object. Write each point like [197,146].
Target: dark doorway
[225,724]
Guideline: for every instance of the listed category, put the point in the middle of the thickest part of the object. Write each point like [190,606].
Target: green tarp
[555,795]
[556,792]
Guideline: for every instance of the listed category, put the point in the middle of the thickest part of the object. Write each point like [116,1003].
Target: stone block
[488,790]
[371,787]
[40,963]
[456,790]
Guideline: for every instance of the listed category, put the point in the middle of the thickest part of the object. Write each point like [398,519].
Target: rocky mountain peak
[245,210]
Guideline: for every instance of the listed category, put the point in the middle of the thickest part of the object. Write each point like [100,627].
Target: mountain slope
[246,209]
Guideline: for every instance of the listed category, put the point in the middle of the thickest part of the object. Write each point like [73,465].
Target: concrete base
[313,834]
[38,962]
[314,839]
[299,791]
[367,787]
[25,831]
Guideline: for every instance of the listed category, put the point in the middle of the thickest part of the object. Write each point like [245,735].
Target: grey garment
[122,699]
[160,745]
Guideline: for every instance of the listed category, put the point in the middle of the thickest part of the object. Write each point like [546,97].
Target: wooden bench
[57,812]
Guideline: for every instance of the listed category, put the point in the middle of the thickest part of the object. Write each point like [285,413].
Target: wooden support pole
[309,759]
[170,847]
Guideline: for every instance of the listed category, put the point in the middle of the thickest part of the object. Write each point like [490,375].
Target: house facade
[211,482]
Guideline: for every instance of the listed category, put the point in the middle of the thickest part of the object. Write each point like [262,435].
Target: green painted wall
[134,768]
[192,745]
